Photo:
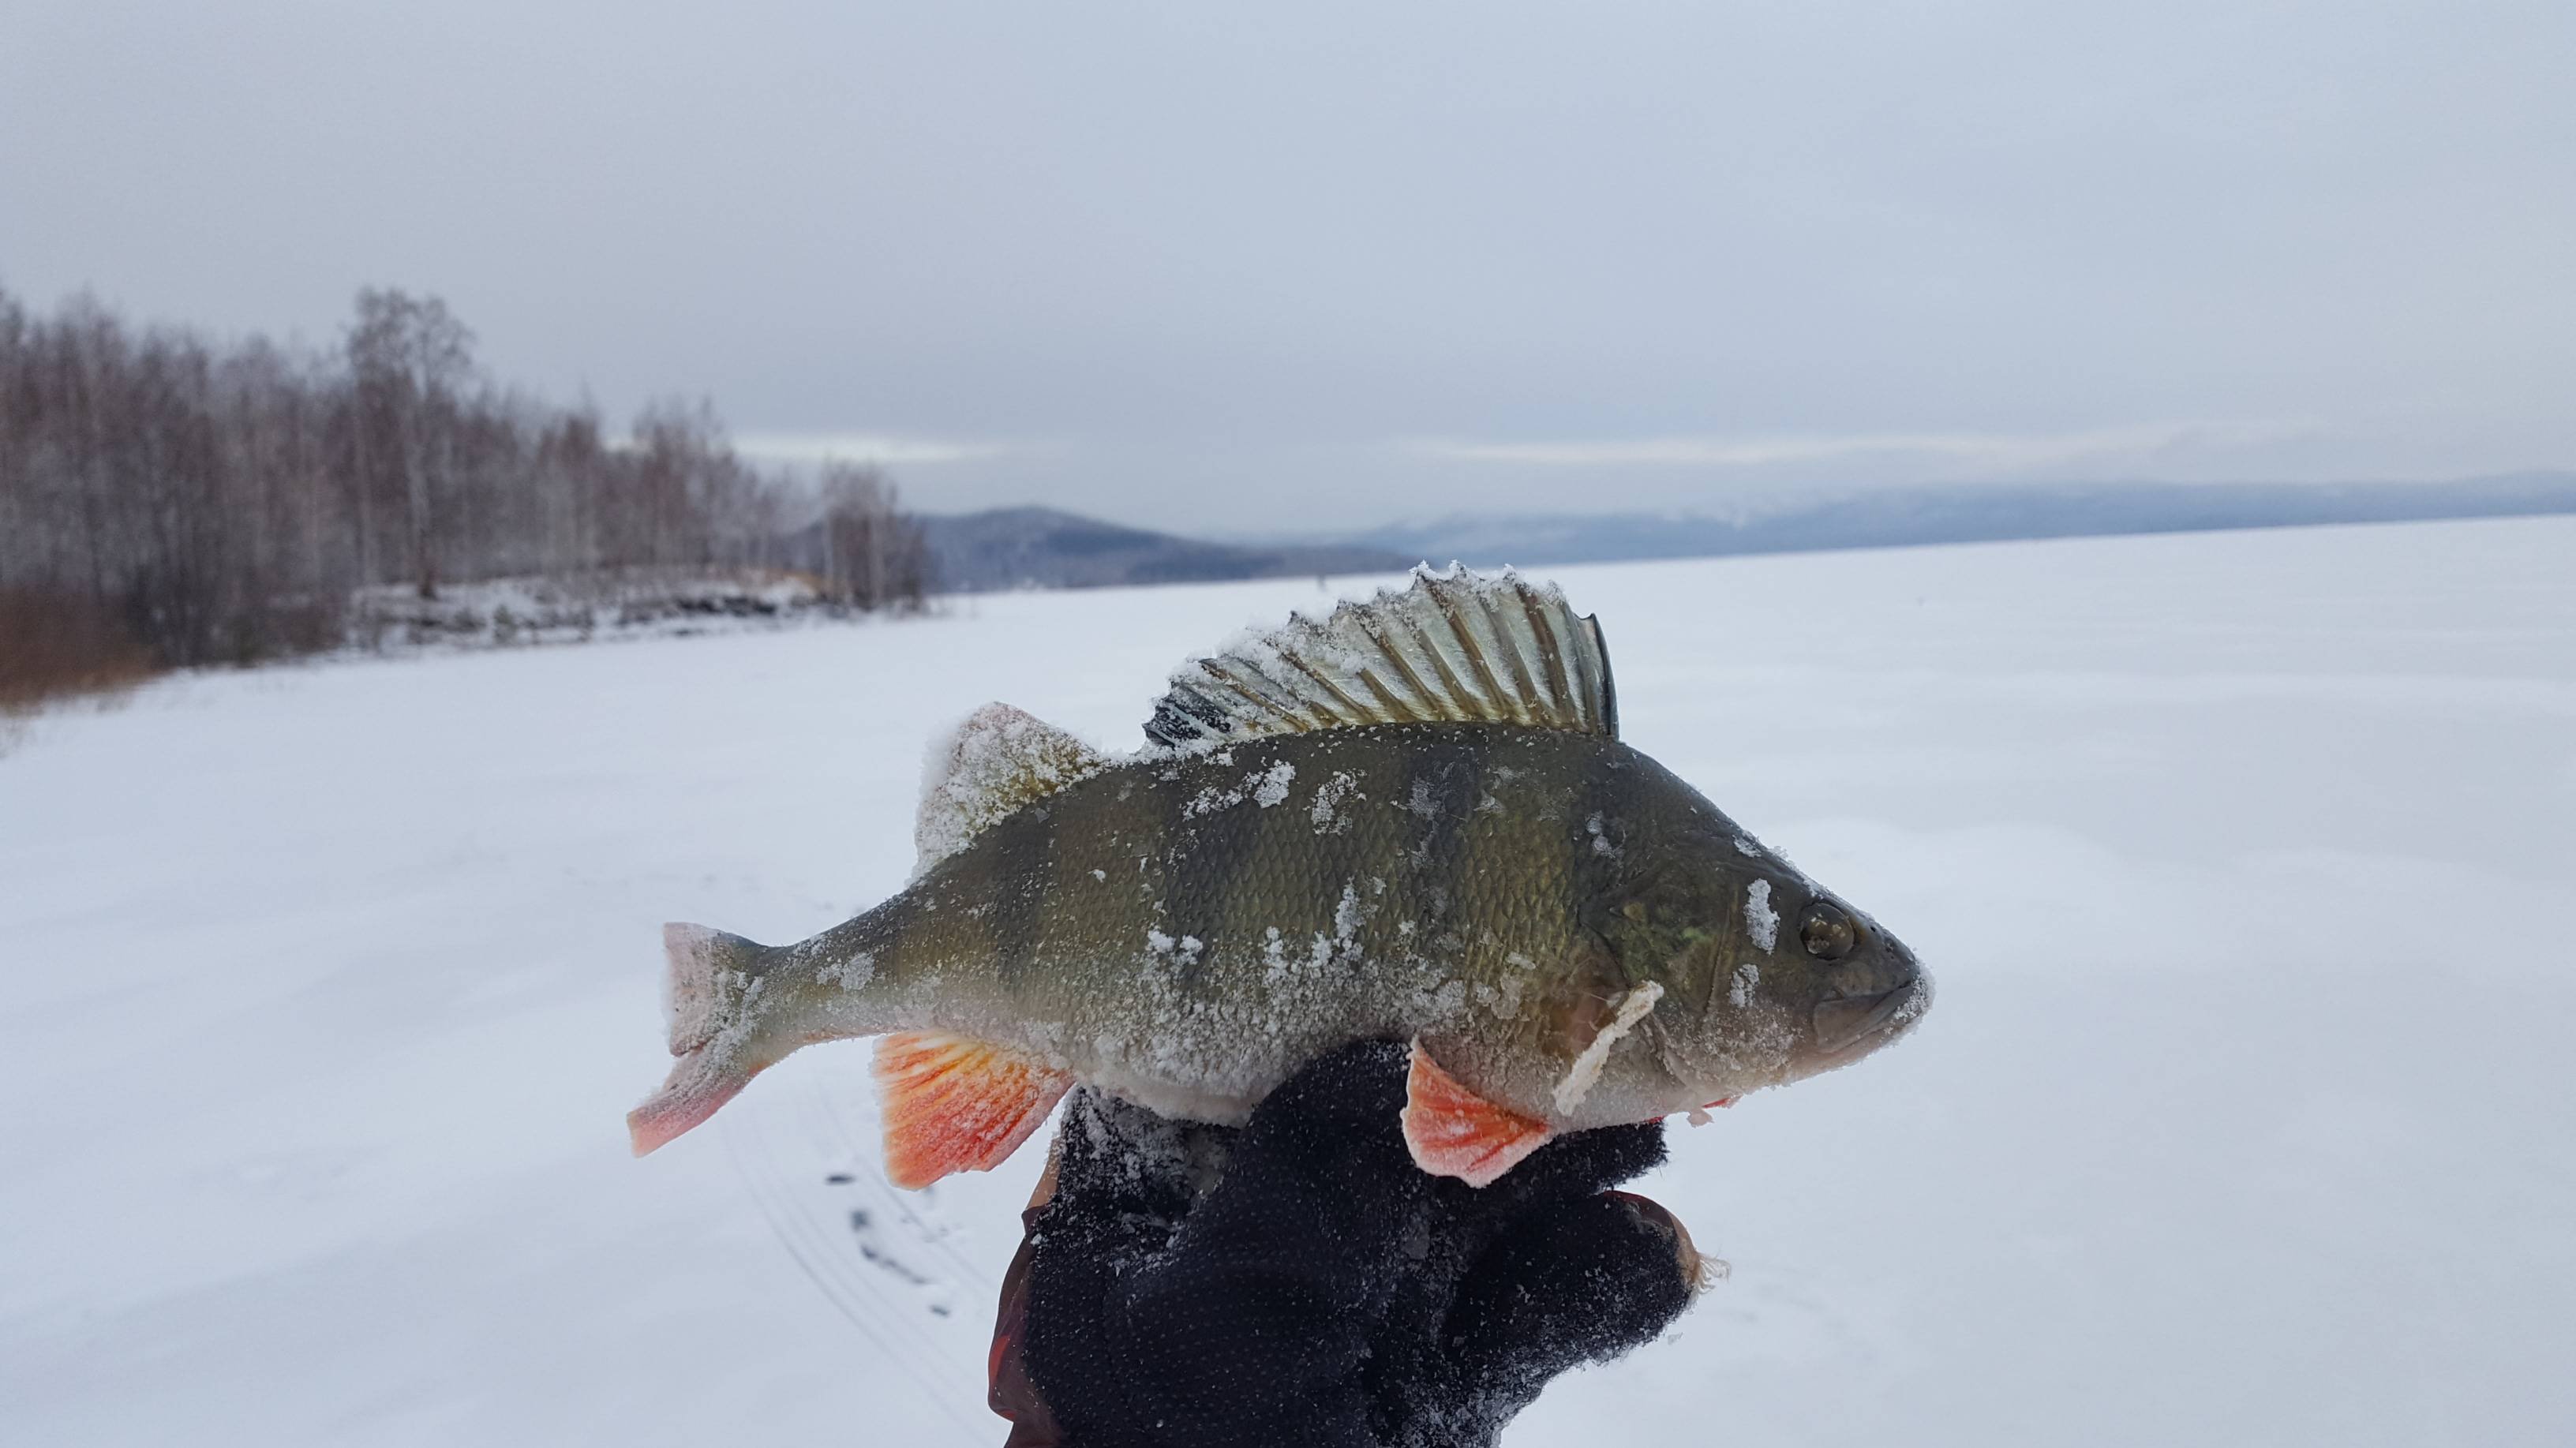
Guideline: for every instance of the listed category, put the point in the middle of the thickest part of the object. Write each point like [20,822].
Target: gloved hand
[1301,1281]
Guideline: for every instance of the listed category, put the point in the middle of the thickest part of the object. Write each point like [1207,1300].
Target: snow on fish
[1411,820]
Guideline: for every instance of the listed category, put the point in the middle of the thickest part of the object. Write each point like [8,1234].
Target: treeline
[169,500]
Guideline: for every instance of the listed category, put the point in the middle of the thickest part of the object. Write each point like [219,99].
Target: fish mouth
[1850,1027]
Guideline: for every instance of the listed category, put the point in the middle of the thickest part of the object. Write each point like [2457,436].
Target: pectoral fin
[1630,1009]
[1452,1131]
[953,1103]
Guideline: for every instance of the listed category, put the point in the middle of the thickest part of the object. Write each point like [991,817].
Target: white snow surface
[2245,861]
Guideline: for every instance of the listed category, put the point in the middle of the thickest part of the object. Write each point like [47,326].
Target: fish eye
[1826,931]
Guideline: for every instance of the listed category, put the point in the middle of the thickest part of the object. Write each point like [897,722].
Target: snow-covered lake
[2247,863]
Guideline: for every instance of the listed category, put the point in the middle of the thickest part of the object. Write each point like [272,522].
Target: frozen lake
[2246,863]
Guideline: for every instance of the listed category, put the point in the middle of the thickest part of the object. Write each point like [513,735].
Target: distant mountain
[1896,517]
[1044,548]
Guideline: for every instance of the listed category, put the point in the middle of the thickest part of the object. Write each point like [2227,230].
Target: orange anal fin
[954,1103]
[1452,1131]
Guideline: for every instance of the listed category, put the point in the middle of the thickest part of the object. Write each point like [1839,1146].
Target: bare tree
[873,556]
[191,503]
[409,359]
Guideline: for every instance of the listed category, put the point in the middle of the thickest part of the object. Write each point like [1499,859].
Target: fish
[1411,819]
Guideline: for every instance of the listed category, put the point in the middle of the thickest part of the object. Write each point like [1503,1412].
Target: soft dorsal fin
[997,763]
[1455,647]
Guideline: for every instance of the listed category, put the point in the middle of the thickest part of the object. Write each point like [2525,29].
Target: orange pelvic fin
[954,1103]
[1452,1131]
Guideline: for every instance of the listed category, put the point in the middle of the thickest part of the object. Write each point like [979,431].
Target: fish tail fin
[710,976]
[713,979]
[700,1081]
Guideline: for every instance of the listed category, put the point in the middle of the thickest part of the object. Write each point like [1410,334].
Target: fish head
[1857,986]
[1768,977]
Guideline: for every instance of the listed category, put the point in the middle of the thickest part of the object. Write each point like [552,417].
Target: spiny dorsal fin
[1455,648]
[997,763]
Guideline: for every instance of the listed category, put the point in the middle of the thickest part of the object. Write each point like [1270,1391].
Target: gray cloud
[861,447]
[1218,258]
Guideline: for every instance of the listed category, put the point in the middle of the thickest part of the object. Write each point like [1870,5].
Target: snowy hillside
[2245,862]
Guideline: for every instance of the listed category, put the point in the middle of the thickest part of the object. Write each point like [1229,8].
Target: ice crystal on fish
[1273,788]
[852,973]
[1326,811]
[1264,787]
[1759,916]
[1747,976]
[1347,916]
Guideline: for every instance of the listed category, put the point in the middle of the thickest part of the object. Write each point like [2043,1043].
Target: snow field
[2244,862]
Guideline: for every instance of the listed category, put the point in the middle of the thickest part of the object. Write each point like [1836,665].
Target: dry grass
[56,644]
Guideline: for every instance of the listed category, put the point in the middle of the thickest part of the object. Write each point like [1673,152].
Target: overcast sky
[1309,265]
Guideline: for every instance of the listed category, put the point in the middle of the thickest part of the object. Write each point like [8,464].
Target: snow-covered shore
[2244,860]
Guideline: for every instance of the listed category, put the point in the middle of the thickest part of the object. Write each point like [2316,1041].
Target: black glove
[1301,1281]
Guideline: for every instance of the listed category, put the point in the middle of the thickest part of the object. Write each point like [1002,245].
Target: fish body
[1569,935]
